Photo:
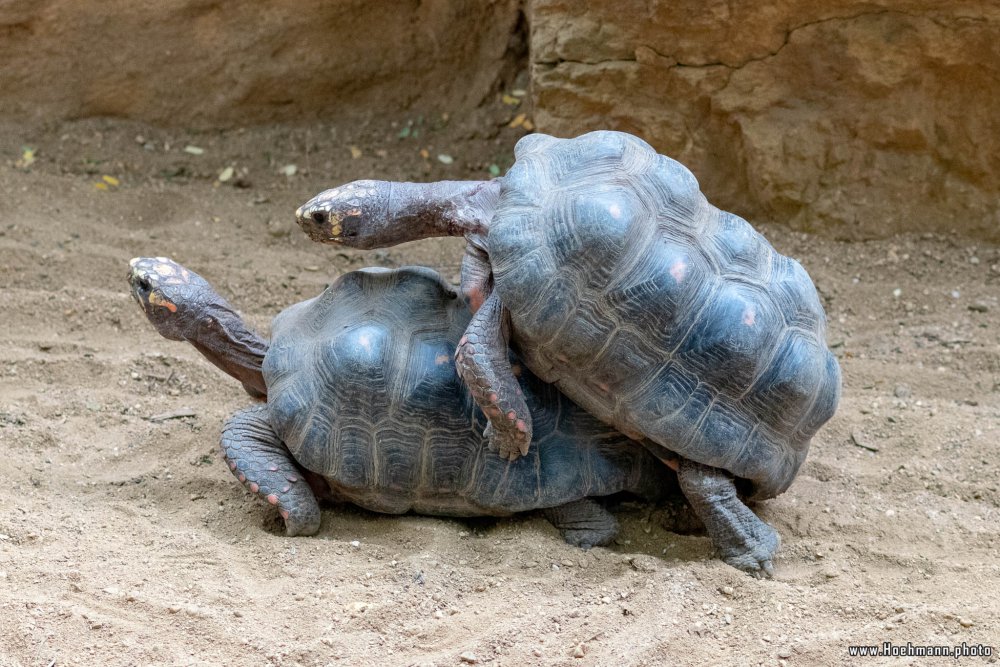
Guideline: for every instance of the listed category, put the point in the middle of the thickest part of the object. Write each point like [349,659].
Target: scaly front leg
[261,461]
[483,363]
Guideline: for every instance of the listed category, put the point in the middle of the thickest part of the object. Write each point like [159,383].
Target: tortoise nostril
[319,217]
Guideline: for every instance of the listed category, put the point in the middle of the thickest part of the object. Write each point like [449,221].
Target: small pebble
[784,654]
[469,657]
[355,543]
[727,590]
[965,622]
[568,563]
[579,651]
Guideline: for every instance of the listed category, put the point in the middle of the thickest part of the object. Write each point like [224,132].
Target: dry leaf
[27,157]
[518,120]
[226,174]
[355,152]
[111,180]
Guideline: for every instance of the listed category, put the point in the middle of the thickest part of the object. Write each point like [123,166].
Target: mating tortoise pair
[604,267]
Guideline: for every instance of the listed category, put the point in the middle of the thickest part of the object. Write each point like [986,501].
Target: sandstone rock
[210,63]
[857,118]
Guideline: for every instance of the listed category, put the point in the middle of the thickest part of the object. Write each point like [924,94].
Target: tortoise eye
[144,284]
[319,217]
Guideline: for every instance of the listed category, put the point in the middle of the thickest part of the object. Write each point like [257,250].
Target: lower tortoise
[612,276]
[363,405]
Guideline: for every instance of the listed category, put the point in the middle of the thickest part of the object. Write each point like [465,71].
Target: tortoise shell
[656,311]
[362,389]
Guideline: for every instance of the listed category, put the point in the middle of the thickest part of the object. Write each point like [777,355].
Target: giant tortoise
[613,277]
[363,405]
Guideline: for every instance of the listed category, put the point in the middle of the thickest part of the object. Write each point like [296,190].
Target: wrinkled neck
[445,208]
[225,340]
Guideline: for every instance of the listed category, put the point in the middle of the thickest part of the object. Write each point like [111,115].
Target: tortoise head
[354,215]
[171,296]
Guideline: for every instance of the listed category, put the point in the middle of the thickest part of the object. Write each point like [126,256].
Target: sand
[125,540]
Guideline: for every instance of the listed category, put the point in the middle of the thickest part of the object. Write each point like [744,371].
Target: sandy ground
[126,541]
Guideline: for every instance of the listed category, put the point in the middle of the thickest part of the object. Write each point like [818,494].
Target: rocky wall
[855,118]
[223,62]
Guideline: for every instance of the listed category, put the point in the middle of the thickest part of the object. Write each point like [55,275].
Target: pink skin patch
[521,426]
[232,465]
[493,397]
[512,415]
[273,499]
[475,297]
[463,340]
[749,316]
[284,514]
[241,477]
[254,487]
[292,479]
[615,211]
[273,468]
[678,270]
[285,490]
[673,464]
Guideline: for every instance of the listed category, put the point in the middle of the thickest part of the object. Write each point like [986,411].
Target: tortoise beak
[318,223]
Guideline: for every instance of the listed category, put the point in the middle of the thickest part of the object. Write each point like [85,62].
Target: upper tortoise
[614,278]
[363,405]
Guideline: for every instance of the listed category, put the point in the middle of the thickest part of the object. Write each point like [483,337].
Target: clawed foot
[743,540]
[512,441]
[754,555]
[261,462]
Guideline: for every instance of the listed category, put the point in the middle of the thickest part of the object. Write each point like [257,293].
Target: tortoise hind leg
[583,523]
[746,542]
[259,459]
[483,362]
